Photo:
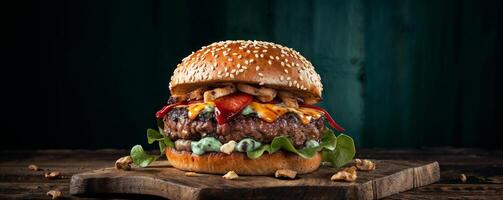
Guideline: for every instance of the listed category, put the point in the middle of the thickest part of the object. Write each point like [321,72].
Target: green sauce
[312,143]
[204,145]
[208,108]
[248,110]
[247,144]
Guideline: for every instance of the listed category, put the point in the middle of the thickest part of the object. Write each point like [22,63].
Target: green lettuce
[140,157]
[336,150]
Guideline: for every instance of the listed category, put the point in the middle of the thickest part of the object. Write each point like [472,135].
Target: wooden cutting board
[160,179]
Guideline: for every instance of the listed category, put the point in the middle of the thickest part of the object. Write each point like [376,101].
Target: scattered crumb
[231,175]
[365,165]
[124,163]
[55,194]
[33,167]
[53,175]
[462,177]
[346,174]
[285,173]
[192,174]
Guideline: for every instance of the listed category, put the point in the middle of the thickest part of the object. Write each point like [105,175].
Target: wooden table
[483,169]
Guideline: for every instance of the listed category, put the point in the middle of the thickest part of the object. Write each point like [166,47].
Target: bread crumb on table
[231,175]
[285,173]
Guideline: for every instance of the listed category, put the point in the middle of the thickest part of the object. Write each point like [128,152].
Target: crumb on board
[285,173]
[231,175]
[124,163]
[347,174]
[53,175]
[365,165]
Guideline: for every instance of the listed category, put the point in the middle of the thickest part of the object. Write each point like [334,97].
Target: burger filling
[178,125]
[250,120]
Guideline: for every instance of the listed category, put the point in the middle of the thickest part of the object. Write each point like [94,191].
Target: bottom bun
[220,163]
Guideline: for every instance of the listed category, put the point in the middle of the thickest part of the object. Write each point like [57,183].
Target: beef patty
[178,126]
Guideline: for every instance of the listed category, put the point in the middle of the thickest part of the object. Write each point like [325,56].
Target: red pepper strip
[164,110]
[329,118]
[227,107]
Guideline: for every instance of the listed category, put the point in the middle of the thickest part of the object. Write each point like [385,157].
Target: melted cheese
[266,112]
[196,108]
[271,112]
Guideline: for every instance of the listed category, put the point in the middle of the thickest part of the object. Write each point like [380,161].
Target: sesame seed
[232,75]
[256,55]
[234,70]
[288,78]
[226,74]
[246,61]
[240,56]
[245,67]
[257,68]
[255,51]
[270,62]
[248,51]
[238,65]
[234,54]
[251,60]
[230,59]
[261,83]
[286,71]
[277,58]
[225,69]
[241,70]
[283,64]
[281,78]
[271,57]
[288,65]
[265,50]
[260,74]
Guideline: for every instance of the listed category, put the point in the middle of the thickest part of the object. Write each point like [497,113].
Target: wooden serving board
[160,179]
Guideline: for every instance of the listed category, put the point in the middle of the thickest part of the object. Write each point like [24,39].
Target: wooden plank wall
[399,73]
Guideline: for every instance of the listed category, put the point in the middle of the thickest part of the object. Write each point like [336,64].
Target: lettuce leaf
[336,150]
[140,157]
[343,153]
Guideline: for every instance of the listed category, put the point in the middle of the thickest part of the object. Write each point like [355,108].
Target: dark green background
[402,73]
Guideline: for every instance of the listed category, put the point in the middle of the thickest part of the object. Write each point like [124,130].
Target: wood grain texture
[483,169]
[389,178]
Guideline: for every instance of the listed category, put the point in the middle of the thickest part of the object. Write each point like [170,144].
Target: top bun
[252,62]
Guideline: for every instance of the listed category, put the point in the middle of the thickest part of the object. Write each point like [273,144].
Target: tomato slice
[227,107]
[329,118]
[164,110]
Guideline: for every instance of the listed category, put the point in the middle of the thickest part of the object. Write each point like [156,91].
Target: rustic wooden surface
[484,171]
[160,179]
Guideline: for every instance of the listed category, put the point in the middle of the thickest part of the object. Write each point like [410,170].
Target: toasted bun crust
[220,163]
[252,62]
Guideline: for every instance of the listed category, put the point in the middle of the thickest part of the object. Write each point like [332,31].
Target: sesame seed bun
[253,62]
[220,163]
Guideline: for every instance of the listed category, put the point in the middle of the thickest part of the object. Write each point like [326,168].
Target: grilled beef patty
[177,125]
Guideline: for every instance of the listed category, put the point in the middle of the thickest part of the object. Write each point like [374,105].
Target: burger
[247,107]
